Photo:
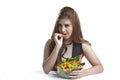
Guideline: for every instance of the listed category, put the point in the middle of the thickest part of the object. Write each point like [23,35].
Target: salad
[69,65]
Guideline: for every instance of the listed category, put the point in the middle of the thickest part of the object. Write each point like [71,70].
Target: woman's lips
[63,35]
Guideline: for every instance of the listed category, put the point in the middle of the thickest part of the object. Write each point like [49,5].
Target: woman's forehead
[64,21]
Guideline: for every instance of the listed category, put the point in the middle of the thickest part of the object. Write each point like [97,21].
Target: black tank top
[77,49]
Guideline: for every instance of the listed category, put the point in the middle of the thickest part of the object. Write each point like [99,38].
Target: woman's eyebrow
[66,24]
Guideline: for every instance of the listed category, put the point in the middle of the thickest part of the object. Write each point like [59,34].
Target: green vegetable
[76,58]
[82,64]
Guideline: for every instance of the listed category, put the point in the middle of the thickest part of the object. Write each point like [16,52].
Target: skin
[65,29]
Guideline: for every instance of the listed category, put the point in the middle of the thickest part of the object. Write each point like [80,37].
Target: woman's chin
[65,38]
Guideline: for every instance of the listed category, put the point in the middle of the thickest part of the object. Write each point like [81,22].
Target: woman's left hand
[77,74]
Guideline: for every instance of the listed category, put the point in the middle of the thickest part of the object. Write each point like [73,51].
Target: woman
[67,41]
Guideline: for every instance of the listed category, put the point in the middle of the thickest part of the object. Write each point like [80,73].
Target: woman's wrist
[57,46]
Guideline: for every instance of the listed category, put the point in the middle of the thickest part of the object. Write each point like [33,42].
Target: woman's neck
[68,41]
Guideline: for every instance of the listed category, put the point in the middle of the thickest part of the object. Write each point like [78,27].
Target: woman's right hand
[58,39]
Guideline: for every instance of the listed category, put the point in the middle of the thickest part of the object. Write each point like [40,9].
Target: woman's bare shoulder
[86,46]
[49,41]
[47,44]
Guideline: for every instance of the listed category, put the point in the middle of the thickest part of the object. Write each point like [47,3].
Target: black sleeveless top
[76,51]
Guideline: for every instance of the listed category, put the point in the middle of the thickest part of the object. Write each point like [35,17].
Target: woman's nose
[63,29]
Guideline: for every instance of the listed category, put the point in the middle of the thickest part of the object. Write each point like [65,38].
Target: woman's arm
[49,59]
[93,59]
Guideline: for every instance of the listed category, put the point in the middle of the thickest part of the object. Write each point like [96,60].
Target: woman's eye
[59,25]
[66,25]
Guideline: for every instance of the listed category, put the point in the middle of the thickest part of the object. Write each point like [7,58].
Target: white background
[25,26]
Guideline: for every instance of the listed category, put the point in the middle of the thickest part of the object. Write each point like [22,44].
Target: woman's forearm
[48,64]
[94,70]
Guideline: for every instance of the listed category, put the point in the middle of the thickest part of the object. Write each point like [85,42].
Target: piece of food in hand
[62,35]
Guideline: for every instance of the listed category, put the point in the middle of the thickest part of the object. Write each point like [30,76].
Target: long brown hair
[77,37]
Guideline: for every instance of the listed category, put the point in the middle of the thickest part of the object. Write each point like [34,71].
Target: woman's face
[65,27]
